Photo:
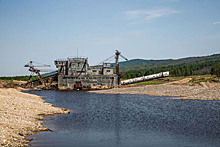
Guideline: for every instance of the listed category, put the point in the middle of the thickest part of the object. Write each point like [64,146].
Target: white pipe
[145,78]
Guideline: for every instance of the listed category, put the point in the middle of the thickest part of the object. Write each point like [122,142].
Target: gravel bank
[184,92]
[20,115]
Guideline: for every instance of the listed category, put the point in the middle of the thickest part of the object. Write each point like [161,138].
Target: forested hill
[134,62]
[183,66]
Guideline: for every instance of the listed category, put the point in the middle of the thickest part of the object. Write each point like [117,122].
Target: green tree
[142,73]
[217,70]
[147,73]
[177,71]
[128,76]
[212,72]
[173,72]
[187,71]
[133,75]
[191,71]
[183,71]
[138,75]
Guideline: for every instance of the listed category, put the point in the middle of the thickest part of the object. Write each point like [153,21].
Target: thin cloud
[138,16]
[217,22]
[139,32]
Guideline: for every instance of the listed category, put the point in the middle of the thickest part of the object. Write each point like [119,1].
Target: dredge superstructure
[75,73]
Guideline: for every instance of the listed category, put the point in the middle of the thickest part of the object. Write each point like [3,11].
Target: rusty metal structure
[75,73]
[46,81]
[117,54]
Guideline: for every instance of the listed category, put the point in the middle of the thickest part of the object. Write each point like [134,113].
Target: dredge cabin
[75,73]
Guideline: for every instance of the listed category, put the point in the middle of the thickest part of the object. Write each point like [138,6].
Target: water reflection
[129,120]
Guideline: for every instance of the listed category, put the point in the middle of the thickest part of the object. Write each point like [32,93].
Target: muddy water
[112,120]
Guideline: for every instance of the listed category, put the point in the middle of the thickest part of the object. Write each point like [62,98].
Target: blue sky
[44,30]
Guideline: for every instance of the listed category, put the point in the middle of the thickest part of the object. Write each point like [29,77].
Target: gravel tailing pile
[21,115]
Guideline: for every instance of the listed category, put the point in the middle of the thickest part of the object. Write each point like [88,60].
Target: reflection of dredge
[75,73]
[45,80]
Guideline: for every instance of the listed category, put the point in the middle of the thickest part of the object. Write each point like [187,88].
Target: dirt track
[20,115]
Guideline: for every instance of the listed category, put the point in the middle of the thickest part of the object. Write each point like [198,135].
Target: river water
[113,120]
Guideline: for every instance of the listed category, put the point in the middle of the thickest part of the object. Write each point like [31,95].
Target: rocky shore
[21,115]
[204,91]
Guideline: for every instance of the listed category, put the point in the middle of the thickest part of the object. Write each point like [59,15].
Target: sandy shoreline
[21,115]
[205,92]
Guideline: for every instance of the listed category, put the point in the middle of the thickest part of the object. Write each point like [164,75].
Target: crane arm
[123,57]
[30,64]
[106,59]
[41,66]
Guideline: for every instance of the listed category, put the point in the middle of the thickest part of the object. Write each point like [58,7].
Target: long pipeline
[145,78]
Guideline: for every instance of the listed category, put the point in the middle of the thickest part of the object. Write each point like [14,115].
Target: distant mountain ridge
[135,62]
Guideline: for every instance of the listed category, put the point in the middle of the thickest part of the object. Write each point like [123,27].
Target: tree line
[176,70]
[215,70]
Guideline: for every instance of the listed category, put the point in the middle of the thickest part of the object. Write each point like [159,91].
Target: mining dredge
[76,74]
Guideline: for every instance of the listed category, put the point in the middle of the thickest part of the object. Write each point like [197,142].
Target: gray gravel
[182,91]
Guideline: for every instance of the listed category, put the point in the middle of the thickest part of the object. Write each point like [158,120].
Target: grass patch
[150,83]
[205,78]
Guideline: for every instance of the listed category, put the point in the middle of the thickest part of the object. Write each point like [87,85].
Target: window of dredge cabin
[108,70]
[94,70]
